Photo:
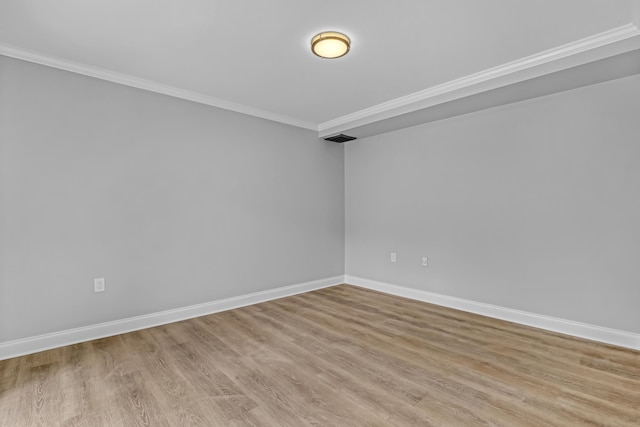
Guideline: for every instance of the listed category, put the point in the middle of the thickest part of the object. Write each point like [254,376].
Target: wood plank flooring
[341,356]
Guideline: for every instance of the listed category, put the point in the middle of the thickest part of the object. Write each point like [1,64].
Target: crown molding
[612,42]
[151,86]
[618,40]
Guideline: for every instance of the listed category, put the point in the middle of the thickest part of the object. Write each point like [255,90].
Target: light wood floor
[338,356]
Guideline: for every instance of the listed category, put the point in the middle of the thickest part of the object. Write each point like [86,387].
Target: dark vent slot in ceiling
[340,138]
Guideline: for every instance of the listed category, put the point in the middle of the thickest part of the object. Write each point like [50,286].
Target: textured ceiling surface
[256,52]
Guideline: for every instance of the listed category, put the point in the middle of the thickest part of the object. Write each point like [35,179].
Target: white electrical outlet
[393,257]
[425,261]
[98,284]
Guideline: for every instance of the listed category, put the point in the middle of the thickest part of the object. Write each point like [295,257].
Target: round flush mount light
[330,44]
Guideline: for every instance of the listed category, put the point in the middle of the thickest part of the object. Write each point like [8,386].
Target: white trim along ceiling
[389,115]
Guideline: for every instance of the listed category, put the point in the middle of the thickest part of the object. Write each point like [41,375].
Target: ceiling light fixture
[330,44]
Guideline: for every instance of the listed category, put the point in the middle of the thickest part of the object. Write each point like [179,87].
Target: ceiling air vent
[340,138]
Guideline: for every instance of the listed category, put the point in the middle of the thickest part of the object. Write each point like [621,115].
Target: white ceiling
[254,56]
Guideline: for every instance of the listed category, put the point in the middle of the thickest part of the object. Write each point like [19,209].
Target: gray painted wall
[173,202]
[532,206]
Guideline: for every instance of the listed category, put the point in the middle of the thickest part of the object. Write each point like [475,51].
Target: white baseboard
[582,330]
[38,343]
